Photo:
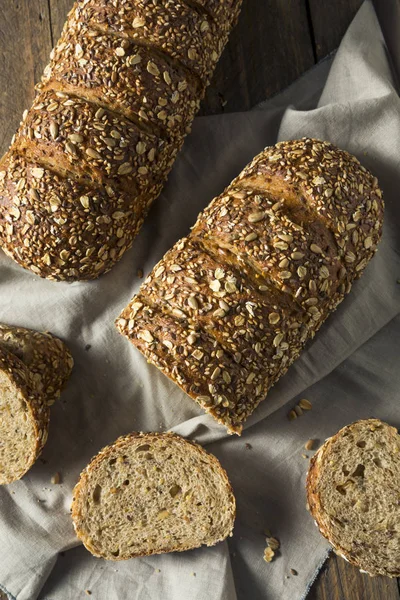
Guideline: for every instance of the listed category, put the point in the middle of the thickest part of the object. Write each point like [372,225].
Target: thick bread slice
[152,493]
[171,26]
[89,228]
[47,358]
[353,491]
[131,79]
[24,418]
[96,145]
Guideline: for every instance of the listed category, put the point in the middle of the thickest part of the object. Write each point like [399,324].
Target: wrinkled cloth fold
[349,371]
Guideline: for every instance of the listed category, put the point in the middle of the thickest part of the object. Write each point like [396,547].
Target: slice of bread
[47,358]
[33,369]
[151,493]
[353,491]
[24,419]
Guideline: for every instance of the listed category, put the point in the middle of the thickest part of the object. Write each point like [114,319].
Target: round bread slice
[353,491]
[24,419]
[151,493]
[47,358]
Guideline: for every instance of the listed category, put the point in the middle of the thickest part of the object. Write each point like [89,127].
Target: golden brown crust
[125,441]
[46,357]
[128,78]
[283,225]
[38,410]
[62,229]
[132,71]
[295,252]
[193,38]
[313,495]
[196,362]
[94,145]
[333,184]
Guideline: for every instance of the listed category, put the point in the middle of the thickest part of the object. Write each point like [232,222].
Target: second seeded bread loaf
[110,115]
[230,307]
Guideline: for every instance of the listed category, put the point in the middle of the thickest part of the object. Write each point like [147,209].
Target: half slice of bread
[150,493]
[47,358]
[24,419]
[353,491]
[33,369]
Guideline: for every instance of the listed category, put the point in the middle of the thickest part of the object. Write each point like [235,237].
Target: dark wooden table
[274,43]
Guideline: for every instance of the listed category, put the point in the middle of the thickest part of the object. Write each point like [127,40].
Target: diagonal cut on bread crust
[152,493]
[353,494]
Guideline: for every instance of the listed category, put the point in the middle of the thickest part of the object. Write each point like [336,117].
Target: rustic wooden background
[274,43]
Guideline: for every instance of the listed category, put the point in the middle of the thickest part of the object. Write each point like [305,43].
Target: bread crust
[47,358]
[62,229]
[94,145]
[140,66]
[192,37]
[120,443]
[286,227]
[38,410]
[313,500]
[147,87]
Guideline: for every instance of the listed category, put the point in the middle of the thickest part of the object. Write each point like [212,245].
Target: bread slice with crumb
[33,369]
[151,493]
[353,491]
[24,419]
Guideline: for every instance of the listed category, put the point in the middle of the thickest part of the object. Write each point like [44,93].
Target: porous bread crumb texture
[111,112]
[353,495]
[33,369]
[152,493]
[229,308]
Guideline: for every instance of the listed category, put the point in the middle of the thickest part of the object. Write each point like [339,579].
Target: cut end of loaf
[23,424]
[353,495]
[150,494]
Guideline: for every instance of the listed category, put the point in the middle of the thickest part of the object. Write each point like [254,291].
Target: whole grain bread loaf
[121,90]
[151,493]
[230,307]
[34,367]
[353,495]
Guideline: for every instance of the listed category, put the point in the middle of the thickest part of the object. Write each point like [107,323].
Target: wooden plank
[268,49]
[58,14]
[330,20]
[339,580]
[25,45]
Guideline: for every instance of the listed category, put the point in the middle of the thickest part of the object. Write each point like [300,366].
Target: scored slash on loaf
[121,90]
[151,493]
[34,368]
[230,307]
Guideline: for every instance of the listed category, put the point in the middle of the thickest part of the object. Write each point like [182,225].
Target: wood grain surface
[274,42]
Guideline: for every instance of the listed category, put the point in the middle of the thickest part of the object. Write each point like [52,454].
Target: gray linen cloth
[350,371]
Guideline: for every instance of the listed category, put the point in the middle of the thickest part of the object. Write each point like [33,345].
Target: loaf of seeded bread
[230,307]
[33,369]
[353,495]
[110,115]
[152,493]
